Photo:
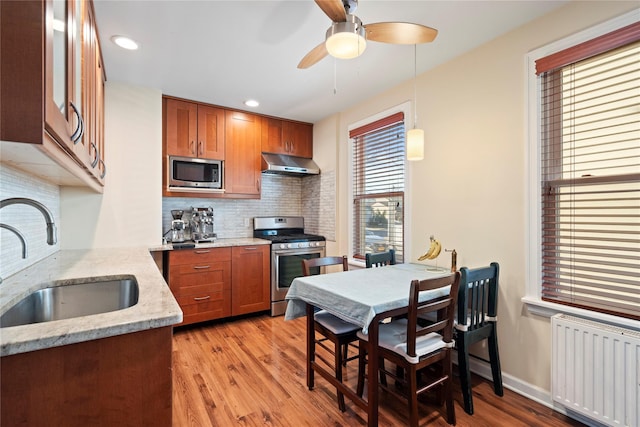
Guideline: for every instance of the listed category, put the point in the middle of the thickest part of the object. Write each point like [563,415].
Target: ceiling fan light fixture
[346,40]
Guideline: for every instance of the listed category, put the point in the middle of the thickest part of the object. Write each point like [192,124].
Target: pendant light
[415,137]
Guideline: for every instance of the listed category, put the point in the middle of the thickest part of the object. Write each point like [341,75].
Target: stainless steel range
[289,246]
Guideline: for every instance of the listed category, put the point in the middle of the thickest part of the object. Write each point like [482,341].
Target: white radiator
[595,370]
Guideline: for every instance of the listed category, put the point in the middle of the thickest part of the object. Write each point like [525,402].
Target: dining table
[364,297]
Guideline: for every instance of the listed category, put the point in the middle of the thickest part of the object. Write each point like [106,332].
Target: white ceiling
[224,52]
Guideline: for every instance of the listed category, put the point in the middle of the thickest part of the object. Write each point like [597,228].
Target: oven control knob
[290,245]
[282,246]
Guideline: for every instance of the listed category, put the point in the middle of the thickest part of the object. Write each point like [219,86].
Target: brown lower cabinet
[214,283]
[123,380]
[251,272]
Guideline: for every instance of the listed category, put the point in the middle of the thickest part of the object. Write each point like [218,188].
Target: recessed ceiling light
[125,42]
[251,103]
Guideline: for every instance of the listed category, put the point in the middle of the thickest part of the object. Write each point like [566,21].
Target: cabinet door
[250,290]
[272,136]
[99,125]
[181,123]
[62,116]
[298,138]
[210,132]
[242,158]
[92,97]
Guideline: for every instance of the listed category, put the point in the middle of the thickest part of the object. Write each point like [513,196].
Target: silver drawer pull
[250,249]
[201,252]
[202,298]
[201,267]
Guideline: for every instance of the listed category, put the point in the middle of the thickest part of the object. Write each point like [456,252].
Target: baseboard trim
[530,391]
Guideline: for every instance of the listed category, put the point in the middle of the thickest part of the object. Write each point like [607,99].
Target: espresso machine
[202,225]
[177,226]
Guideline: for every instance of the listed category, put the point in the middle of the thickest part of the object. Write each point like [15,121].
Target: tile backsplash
[281,196]
[26,219]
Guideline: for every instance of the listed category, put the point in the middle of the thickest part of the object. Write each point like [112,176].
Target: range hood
[288,165]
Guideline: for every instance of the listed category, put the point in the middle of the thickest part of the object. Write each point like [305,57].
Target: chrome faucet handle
[20,236]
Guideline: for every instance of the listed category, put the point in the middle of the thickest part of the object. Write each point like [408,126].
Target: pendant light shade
[415,144]
[346,40]
[415,137]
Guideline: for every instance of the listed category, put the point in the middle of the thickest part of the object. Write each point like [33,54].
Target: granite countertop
[218,243]
[156,305]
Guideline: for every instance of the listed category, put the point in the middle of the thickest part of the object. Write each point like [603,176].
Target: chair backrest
[477,297]
[381,259]
[443,308]
[308,264]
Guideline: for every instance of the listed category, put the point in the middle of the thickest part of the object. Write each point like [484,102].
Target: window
[378,166]
[589,141]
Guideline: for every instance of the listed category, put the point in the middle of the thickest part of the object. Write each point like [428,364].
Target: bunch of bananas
[434,250]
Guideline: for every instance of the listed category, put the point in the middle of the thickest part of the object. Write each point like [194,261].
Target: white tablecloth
[357,296]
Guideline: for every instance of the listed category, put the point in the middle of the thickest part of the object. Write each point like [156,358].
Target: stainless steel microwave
[193,172]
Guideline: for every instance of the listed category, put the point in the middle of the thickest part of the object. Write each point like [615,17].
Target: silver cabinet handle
[250,249]
[201,252]
[191,148]
[95,161]
[200,148]
[201,267]
[77,134]
[201,298]
[104,168]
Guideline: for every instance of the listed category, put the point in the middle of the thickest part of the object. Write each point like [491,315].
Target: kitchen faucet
[51,227]
[20,236]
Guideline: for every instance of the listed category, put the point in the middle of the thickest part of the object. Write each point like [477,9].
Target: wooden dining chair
[380,259]
[414,347]
[476,320]
[331,328]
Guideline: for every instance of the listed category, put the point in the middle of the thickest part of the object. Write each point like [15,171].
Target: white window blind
[378,186]
[590,175]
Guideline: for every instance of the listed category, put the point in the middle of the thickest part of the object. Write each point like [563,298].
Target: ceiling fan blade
[334,9]
[400,33]
[316,54]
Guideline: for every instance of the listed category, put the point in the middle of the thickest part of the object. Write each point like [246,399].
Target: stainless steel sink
[73,300]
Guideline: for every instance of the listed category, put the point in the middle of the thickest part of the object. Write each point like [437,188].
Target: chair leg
[412,397]
[465,373]
[338,365]
[494,357]
[362,365]
[448,392]
[345,354]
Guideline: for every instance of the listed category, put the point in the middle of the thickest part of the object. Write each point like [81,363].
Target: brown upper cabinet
[194,130]
[242,170]
[287,137]
[52,89]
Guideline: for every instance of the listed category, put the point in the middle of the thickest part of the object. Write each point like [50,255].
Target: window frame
[533,238]
[401,108]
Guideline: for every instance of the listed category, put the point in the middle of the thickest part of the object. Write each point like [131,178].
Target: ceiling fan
[347,37]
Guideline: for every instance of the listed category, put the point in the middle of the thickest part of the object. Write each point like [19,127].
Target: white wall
[129,212]
[469,190]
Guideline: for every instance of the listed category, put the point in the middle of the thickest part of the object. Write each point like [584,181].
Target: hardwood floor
[252,372]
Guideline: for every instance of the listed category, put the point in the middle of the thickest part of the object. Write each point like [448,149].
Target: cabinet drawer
[200,308]
[200,277]
[184,256]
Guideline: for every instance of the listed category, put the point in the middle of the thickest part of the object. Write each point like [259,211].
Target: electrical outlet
[246,222]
